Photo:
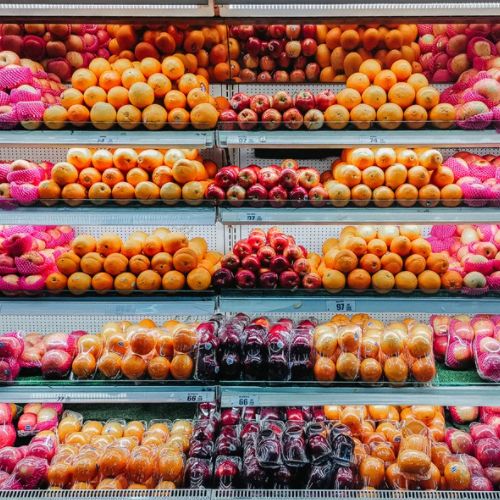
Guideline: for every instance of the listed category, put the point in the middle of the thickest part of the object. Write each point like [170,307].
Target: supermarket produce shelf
[315,301]
[111,215]
[99,8]
[109,392]
[358,215]
[108,138]
[304,139]
[140,305]
[315,395]
[353,8]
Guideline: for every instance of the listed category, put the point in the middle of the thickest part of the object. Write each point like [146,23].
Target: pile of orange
[116,455]
[383,259]
[163,260]
[126,174]
[386,176]
[366,349]
[137,351]
[151,92]
[203,50]
[342,49]
[401,448]
[388,97]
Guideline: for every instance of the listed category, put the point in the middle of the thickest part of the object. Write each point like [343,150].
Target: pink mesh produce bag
[474,292]
[4,170]
[440,245]
[8,120]
[443,230]
[4,98]
[11,286]
[26,267]
[482,172]
[481,267]
[32,283]
[13,77]
[24,193]
[459,170]
[30,111]
[20,95]
[478,122]
[7,270]
[18,244]
[475,195]
[10,230]
[29,175]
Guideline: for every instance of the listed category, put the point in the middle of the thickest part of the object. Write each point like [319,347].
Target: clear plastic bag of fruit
[349,344]
[255,352]
[90,348]
[420,354]
[393,354]
[230,350]
[457,473]
[227,472]
[294,445]
[207,363]
[279,338]
[414,457]
[459,349]
[269,445]
[370,369]
[71,421]
[318,443]
[38,417]
[486,349]
[342,445]
[301,354]
[197,474]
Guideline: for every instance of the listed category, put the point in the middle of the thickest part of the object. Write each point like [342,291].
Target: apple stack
[25,91]
[61,48]
[448,50]
[279,185]
[266,260]
[474,252]
[24,467]
[28,255]
[19,182]
[304,108]
[478,177]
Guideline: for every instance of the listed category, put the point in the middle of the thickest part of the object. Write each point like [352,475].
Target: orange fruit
[429,281]
[402,94]
[442,115]
[415,116]
[396,369]
[324,369]
[181,366]
[402,69]
[372,471]
[418,81]
[337,116]
[172,67]
[370,67]
[374,96]
[457,475]
[385,79]
[358,81]
[82,79]
[349,98]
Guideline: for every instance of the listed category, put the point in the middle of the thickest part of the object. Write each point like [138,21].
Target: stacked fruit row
[360,348]
[163,260]
[462,341]
[381,176]
[125,174]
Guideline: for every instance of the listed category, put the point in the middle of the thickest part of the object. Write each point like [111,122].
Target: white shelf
[102,8]
[159,303]
[358,215]
[326,138]
[111,215]
[307,395]
[339,8]
[108,138]
[110,392]
[316,301]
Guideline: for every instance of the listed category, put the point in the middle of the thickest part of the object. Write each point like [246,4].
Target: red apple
[229,117]
[312,281]
[239,101]
[289,279]
[325,99]
[288,178]
[279,242]
[265,254]
[276,30]
[293,119]
[283,60]
[281,76]
[292,31]
[215,192]
[304,101]
[278,196]
[226,177]
[309,31]
[302,266]
[271,119]
[242,248]
[247,75]
[267,63]
[256,239]
[312,71]
[253,45]
[251,262]
[260,103]
[318,196]
[251,61]
[244,278]
[279,264]
[236,195]
[268,279]
[282,100]
[275,48]
[308,178]
[290,163]
[257,195]
[247,177]
[247,119]
[264,77]
[309,46]
[297,76]
[298,195]
[292,253]
[245,31]
[293,49]
[269,177]
[314,119]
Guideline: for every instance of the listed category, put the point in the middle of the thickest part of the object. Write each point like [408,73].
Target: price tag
[199,397]
[250,217]
[104,139]
[245,400]
[375,139]
[341,306]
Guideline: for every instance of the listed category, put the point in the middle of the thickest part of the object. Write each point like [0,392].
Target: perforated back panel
[312,237]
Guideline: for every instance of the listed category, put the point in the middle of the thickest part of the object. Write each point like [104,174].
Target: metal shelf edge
[108,138]
[304,139]
[314,396]
[111,216]
[358,215]
[107,394]
[358,303]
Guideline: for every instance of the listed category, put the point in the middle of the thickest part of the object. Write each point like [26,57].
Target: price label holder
[198,397]
[245,400]
[341,306]
[250,217]
[251,139]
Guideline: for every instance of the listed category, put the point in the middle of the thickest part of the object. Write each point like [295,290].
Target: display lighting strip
[204,8]
[351,495]
[103,494]
[358,9]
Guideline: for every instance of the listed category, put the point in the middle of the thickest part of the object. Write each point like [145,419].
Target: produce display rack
[224,225]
